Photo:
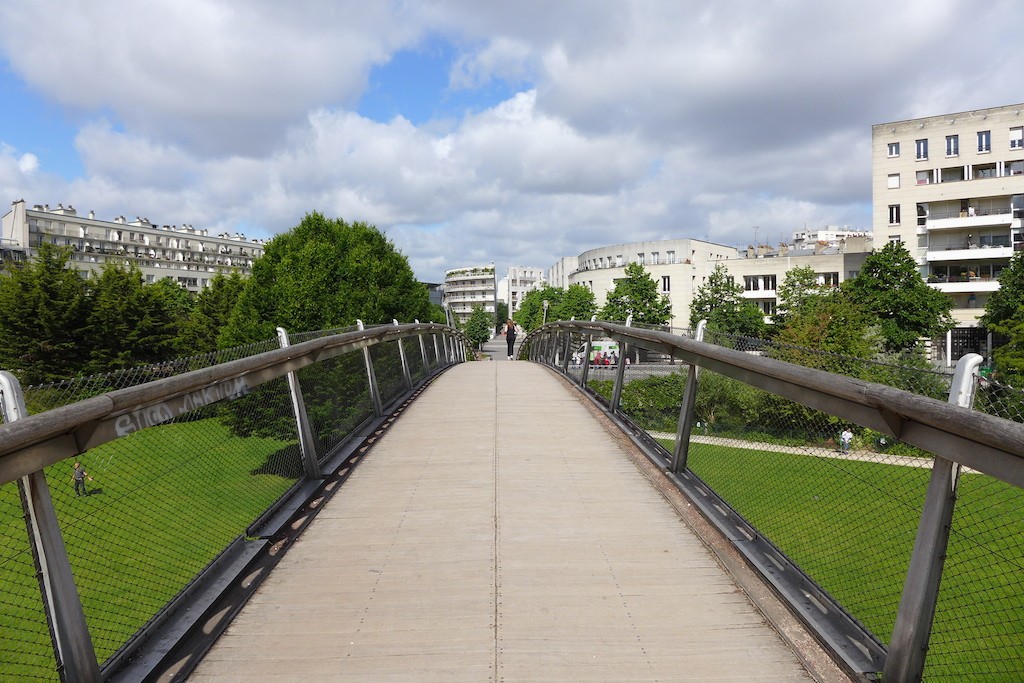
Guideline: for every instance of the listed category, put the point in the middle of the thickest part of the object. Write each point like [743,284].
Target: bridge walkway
[499,532]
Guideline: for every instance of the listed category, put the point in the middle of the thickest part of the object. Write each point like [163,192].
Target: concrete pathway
[497,532]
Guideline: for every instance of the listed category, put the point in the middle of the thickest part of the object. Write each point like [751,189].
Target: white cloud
[633,121]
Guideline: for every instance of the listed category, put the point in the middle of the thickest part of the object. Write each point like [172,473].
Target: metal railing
[188,470]
[836,478]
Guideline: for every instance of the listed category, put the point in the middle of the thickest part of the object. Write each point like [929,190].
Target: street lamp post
[545,312]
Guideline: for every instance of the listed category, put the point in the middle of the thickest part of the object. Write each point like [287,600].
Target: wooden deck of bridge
[499,532]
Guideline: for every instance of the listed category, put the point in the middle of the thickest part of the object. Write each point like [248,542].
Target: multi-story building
[762,269]
[189,256]
[679,267]
[558,274]
[951,188]
[518,281]
[468,288]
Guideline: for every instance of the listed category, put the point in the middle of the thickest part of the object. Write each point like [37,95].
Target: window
[894,214]
[894,181]
[952,145]
[924,177]
[767,307]
[751,283]
[1017,137]
[922,149]
[984,141]
[895,239]
[828,279]
[670,256]
[665,284]
[654,257]
[640,258]
[769,282]
[894,149]
[618,260]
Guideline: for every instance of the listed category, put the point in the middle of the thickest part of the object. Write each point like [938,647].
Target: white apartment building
[679,267]
[951,188]
[762,269]
[468,288]
[559,274]
[189,256]
[517,282]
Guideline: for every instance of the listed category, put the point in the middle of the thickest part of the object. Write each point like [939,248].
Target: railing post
[565,352]
[620,371]
[76,657]
[437,350]
[307,445]
[685,428]
[909,644]
[371,377]
[423,352]
[406,372]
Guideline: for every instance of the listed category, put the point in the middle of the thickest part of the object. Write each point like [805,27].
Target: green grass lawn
[851,527]
[163,503]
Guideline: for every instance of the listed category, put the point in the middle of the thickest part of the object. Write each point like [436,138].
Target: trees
[531,309]
[637,294]
[798,288]
[890,289]
[43,309]
[209,314]
[577,304]
[1004,314]
[719,301]
[325,273]
[479,326]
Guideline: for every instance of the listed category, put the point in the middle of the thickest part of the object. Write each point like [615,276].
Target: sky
[472,132]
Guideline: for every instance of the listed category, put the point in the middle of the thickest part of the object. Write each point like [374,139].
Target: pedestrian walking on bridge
[510,336]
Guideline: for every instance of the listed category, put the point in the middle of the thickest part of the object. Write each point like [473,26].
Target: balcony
[970,219]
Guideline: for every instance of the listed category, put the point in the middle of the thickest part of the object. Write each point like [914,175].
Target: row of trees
[322,274]
[886,308]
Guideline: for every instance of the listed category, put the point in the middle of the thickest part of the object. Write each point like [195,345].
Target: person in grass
[78,476]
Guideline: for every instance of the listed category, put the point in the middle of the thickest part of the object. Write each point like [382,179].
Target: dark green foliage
[653,402]
[889,288]
[480,326]
[210,313]
[720,302]
[530,315]
[1004,314]
[325,273]
[577,304]
[43,309]
[637,294]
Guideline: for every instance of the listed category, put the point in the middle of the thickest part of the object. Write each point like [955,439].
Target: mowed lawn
[163,503]
[851,526]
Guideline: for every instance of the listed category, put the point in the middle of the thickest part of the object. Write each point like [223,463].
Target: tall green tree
[325,273]
[1004,314]
[530,315]
[500,314]
[799,288]
[209,314]
[720,301]
[890,288]
[576,304]
[637,294]
[479,326]
[43,309]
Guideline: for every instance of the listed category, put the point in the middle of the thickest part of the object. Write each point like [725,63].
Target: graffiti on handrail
[151,416]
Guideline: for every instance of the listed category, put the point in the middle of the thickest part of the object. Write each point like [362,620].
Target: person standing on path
[845,439]
[510,336]
[78,476]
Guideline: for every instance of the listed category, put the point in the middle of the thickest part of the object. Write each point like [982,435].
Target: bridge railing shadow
[836,478]
[190,473]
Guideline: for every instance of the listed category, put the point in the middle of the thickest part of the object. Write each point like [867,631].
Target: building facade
[679,267]
[761,270]
[517,282]
[468,288]
[951,188]
[189,256]
[558,274]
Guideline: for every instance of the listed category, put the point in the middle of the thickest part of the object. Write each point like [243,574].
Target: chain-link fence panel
[48,396]
[387,368]
[979,621]
[26,652]
[432,345]
[336,393]
[841,506]
[154,508]
[417,369]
